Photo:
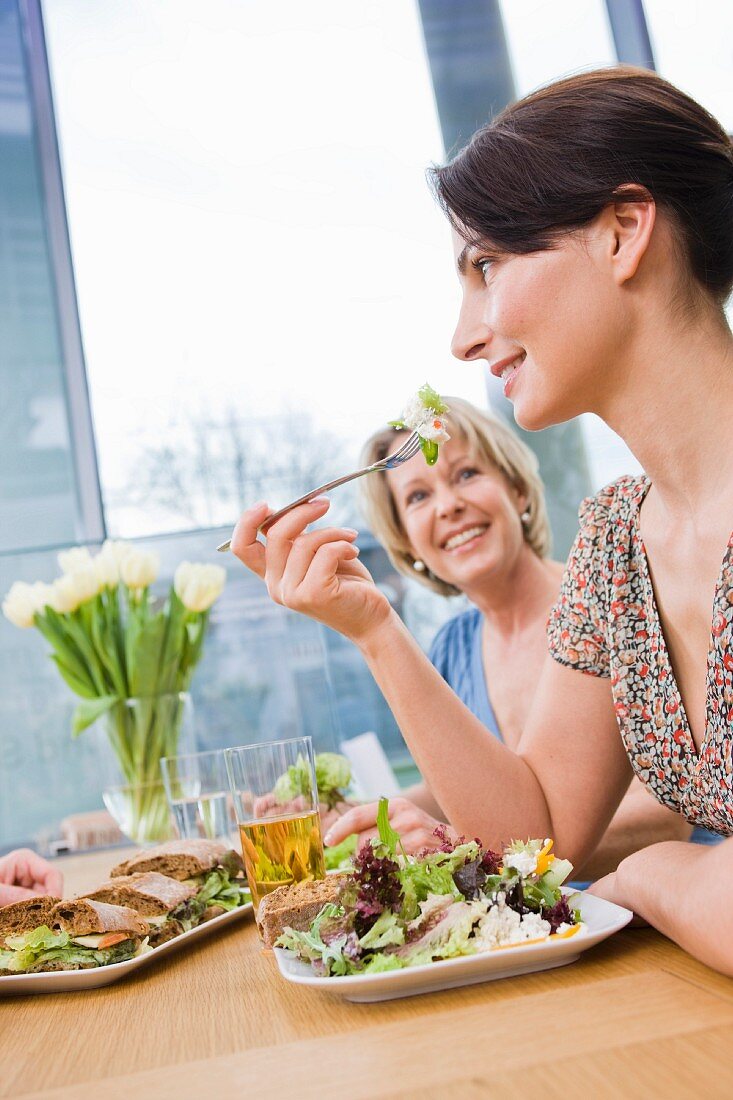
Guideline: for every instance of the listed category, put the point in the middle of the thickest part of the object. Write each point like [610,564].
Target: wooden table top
[635,1017]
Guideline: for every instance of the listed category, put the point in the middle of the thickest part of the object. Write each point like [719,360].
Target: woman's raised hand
[315,572]
[415,826]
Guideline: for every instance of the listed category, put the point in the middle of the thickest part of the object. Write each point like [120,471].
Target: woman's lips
[465,538]
[510,372]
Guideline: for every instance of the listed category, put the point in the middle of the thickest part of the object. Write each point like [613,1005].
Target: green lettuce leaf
[388,929]
[432,874]
[431,399]
[379,964]
[388,836]
[219,889]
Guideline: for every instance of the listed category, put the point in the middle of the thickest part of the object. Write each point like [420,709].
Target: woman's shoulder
[614,503]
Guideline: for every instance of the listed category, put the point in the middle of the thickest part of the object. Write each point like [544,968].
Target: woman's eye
[416,496]
[467,472]
[485,265]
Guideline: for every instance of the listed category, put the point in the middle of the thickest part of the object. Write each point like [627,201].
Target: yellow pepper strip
[544,859]
[522,943]
[566,934]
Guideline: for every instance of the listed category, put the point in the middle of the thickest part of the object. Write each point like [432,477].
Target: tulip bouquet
[129,656]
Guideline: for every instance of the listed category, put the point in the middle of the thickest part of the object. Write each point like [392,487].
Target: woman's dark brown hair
[551,162]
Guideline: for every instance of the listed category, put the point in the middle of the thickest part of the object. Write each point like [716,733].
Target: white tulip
[76,558]
[107,562]
[42,596]
[139,568]
[65,595]
[73,589]
[19,606]
[198,586]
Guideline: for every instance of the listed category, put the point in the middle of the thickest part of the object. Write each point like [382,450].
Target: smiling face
[551,324]
[461,516]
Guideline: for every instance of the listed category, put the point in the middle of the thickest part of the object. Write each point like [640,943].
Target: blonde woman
[476,524]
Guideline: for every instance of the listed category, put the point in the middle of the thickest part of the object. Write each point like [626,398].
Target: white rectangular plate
[69,981]
[601,919]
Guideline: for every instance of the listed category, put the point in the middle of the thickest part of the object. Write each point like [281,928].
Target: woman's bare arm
[570,771]
[639,821]
[683,890]
[565,780]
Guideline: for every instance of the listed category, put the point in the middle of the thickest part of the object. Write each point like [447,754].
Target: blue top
[457,654]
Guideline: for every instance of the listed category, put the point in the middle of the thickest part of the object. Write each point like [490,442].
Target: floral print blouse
[606,623]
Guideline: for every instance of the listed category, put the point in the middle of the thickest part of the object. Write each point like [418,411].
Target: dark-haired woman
[593,229]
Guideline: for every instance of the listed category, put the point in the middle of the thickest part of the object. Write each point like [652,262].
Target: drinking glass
[197,788]
[276,802]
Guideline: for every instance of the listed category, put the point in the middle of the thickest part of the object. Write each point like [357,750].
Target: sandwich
[217,872]
[23,916]
[77,935]
[170,907]
[297,905]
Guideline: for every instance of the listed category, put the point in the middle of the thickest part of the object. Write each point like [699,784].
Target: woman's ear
[631,224]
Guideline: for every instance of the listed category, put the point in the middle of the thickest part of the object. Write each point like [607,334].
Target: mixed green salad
[400,910]
[424,414]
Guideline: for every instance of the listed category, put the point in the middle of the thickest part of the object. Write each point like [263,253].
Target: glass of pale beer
[273,785]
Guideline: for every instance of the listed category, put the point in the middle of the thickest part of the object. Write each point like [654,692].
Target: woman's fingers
[281,535]
[357,820]
[403,815]
[10,894]
[305,548]
[245,544]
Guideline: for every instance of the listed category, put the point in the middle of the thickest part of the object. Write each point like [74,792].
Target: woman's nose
[448,502]
[472,335]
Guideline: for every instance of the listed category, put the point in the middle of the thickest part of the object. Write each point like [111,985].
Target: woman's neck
[674,410]
[515,600]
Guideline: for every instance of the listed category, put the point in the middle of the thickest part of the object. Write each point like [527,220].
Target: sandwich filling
[48,949]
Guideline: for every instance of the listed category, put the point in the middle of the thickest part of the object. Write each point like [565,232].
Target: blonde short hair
[488,439]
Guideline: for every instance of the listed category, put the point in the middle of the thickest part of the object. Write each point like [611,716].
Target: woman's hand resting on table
[316,572]
[415,826]
[24,874]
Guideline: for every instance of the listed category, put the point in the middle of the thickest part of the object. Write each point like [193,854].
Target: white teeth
[512,366]
[464,536]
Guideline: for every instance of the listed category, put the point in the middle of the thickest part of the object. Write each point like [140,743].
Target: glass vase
[140,731]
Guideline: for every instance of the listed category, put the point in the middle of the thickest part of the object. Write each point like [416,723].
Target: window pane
[548,39]
[38,504]
[692,48]
[263,276]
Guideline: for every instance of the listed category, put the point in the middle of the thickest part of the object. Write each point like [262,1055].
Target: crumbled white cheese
[524,862]
[503,925]
[426,422]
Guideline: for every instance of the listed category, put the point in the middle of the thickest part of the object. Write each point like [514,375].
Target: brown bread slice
[179,859]
[296,905]
[24,916]
[150,894]
[82,917]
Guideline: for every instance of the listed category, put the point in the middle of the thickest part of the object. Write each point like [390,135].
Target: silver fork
[407,451]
